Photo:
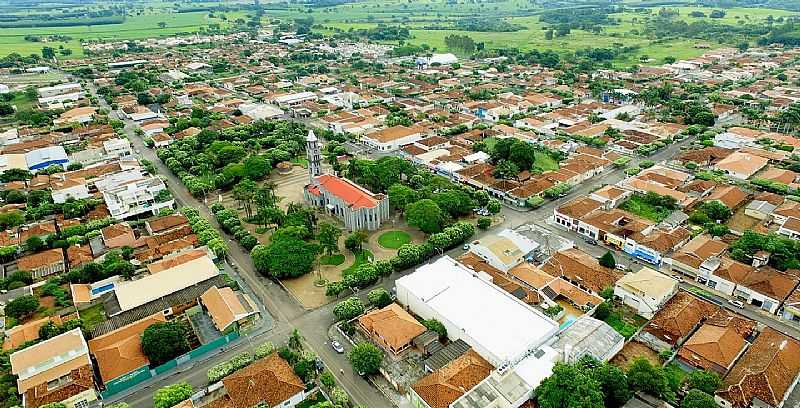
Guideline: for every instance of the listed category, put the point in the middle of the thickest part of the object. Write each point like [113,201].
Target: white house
[645,291]
[69,188]
[505,250]
[392,138]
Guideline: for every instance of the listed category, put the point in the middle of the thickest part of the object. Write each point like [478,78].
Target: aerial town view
[400,203]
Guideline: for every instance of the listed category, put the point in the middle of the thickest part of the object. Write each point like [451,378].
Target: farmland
[429,22]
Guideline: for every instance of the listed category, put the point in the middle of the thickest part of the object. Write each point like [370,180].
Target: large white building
[505,331]
[500,327]
[129,193]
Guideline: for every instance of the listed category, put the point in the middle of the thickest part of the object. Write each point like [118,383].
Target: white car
[736,303]
[337,347]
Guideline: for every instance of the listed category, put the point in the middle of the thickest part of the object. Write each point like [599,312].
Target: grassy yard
[545,162]
[335,259]
[394,239]
[637,206]
[624,324]
[361,257]
[93,315]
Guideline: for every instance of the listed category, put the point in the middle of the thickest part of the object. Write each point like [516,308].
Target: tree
[6,109]
[484,222]
[328,237]
[698,399]
[162,342]
[603,311]
[436,326]
[161,24]
[287,257]
[171,395]
[493,206]
[295,341]
[22,306]
[426,215]
[48,53]
[11,219]
[608,260]
[570,386]
[348,309]
[644,377]
[379,298]
[354,241]
[401,196]
[34,243]
[365,358]
[706,381]
[613,384]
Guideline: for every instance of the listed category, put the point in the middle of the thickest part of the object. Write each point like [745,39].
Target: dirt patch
[740,222]
[633,350]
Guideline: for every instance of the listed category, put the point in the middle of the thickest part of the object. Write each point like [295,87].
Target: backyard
[650,206]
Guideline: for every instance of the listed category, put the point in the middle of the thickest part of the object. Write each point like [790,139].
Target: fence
[139,375]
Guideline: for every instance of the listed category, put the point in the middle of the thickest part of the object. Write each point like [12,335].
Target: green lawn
[545,162]
[301,161]
[335,259]
[93,315]
[624,325]
[361,257]
[394,239]
[636,205]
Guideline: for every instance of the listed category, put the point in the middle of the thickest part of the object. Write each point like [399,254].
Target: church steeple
[314,156]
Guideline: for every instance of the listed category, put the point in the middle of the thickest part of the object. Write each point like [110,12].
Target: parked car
[466,247]
[678,278]
[621,267]
[337,347]
[736,303]
[590,241]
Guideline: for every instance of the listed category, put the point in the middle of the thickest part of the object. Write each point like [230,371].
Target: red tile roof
[355,196]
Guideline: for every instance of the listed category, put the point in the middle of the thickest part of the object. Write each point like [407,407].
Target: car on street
[337,347]
[678,278]
[621,267]
[466,247]
[590,241]
[736,303]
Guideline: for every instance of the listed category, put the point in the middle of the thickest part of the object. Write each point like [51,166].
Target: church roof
[355,196]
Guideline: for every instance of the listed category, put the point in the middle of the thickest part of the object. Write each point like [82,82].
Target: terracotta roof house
[718,343]
[391,327]
[732,196]
[228,309]
[165,223]
[56,370]
[270,381]
[582,270]
[676,320]
[763,287]
[569,214]
[43,263]
[120,352]
[742,165]
[700,250]
[118,236]
[445,385]
[764,375]
[19,335]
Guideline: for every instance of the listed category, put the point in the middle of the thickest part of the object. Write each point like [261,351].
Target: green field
[335,259]
[394,239]
[134,27]
[416,15]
